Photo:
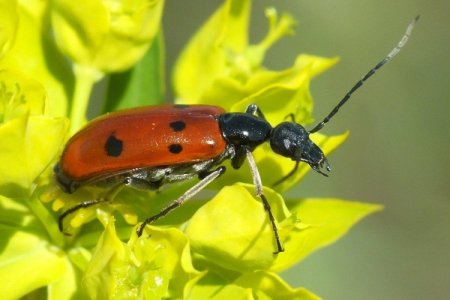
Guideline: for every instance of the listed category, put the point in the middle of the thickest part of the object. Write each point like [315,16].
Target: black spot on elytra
[175,148]
[178,125]
[113,146]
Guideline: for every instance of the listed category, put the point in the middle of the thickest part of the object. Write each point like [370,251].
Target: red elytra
[143,137]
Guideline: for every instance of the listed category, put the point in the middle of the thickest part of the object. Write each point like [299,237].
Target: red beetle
[148,147]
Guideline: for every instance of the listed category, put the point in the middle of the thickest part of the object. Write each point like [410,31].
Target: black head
[292,140]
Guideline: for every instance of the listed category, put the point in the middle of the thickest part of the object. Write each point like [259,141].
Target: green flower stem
[46,219]
[85,78]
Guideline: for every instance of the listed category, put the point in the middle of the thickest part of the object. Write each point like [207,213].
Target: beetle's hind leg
[205,180]
[85,204]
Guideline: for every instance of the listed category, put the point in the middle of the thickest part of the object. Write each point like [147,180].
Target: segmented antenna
[372,71]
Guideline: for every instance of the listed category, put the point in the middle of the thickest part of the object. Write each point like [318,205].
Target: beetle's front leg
[254,110]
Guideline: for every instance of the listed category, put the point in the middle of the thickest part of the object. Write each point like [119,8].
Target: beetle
[149,147]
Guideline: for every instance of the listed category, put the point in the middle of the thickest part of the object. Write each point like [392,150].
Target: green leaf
[29,141]
[267,285]
[204,58]
[9,21]
[232,230]
[253,285]
[213,67]
[213,286]
[99,278]
[27,152]
[321,222]
[67,286]
[281,94]
[23,252]
[142,85]
[109,36]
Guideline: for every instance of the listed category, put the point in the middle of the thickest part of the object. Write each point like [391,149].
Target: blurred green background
[398,150]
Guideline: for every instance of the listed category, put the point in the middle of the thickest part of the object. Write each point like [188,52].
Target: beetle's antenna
[372,71]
